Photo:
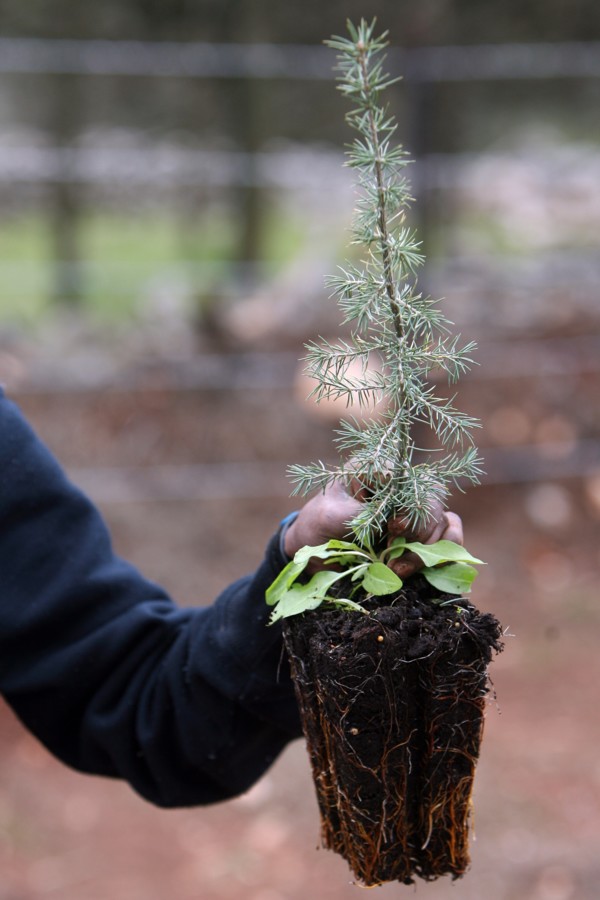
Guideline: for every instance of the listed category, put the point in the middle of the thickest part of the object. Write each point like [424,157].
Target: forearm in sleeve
[188,705]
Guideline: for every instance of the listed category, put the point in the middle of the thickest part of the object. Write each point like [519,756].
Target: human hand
[326,516]
[441,525]
[323,518]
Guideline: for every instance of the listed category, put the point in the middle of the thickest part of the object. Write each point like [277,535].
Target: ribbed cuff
[285,524]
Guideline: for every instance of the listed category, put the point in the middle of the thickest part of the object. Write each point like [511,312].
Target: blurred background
[172,195]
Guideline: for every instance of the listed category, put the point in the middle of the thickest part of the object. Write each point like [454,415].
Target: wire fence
[147,166]
[475,62]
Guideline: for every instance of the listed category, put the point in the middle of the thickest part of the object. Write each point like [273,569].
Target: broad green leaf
[396,549]
[455,578]
[283,582]
[296,601]
[320,551]
[441,552]
[346,545]
[333,551]
[302,597]
[379,580]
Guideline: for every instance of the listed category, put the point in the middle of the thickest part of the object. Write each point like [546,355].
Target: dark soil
[393,707]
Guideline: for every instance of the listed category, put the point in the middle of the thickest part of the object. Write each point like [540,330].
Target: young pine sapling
[398,339]
[392,702]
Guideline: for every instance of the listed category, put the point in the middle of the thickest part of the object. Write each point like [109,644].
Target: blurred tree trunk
[65,199]
[241,22]
[245,105]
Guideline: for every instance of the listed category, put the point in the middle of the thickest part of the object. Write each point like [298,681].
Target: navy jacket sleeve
[188,705]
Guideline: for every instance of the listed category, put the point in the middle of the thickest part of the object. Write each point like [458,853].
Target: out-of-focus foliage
[119,119]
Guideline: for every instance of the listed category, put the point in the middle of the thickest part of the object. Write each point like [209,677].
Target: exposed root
[394,730]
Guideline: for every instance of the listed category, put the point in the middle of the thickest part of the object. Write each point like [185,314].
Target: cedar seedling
[398,339]
[391,700]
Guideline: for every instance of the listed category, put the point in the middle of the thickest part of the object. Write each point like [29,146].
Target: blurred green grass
[124,260]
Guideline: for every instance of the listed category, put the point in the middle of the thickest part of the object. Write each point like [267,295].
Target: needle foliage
[398,338]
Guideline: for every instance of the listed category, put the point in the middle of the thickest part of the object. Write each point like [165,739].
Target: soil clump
[393,708]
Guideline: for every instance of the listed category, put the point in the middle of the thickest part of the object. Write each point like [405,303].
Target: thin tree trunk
[65,200]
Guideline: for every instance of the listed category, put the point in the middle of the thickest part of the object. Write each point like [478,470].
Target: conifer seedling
[398,339]
[391,679]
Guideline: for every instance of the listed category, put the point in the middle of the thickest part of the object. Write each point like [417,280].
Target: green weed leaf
[332,551]
[396,549]
[380,580]
[301,597]
[441,552]
[278,588]
[455,578]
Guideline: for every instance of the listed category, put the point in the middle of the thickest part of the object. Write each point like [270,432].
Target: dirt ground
[537,801]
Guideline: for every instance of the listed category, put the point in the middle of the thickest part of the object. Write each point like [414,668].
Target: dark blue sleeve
[188,705]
